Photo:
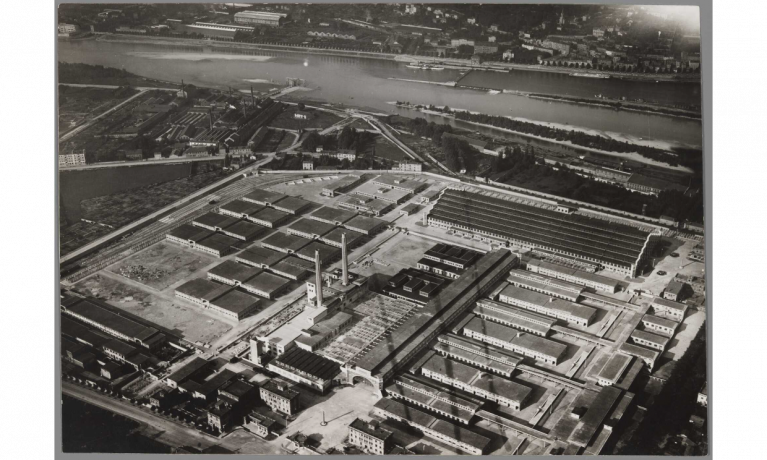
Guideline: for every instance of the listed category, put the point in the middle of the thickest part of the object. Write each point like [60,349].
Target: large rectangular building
[264,197]
[545,285]
[573,275]
[289,244]
[217,244]
[328,254]
[266,285]
[434,397]
[669,308]
[214,222]
[259,257]
[547,305]
[305,367]
[309,229]
[269,217]
[188,235]
[519,319]
[239,209]
[614,369]
[491,387]
[232,273]
[478,354]
[612,245]
[645,354]
[262,18]
[365,225]
[370,437]
[279,396]
[650,340]
[332,216]
[525,344]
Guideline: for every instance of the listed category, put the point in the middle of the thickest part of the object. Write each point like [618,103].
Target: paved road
[120,164]
[140,88]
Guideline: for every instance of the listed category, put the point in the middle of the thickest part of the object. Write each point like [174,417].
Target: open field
[387,150]
[187,321]
[319,119]
[162,265]
[77,104]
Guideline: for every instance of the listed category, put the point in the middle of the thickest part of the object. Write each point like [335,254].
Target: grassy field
[387,150]
[77,105]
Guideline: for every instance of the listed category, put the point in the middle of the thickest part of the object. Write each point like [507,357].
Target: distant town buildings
[72,159]
[263,18]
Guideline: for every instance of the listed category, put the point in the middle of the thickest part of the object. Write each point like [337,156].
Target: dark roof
[71,328]
[524,340]
[108,318]
[411,414]
[258,255]
[198,287]
[190,232]
[365,223]
[285,266]
[237,388]
[188,369]
[217,381]
[326,252]
[264,196]
[242,207]
[312,227]
[233,271]
[267,282]
[309,363]
[218,242]
[235,301]
[332,214]
[461,434]
[292,203]
[212,219]
[335,236]
[285,241]
[594,416]
[120,347]
[269,215]
[244,229]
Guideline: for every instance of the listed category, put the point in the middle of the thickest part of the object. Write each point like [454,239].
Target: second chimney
[344,261]
[318,279]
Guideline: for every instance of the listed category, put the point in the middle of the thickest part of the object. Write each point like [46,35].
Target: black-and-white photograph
[381,228]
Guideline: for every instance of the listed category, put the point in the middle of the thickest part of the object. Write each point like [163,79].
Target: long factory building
[572,275]
[612,245]
[387,356]
[421,392]
[478,354]
[442,430]
[547,305]
[529,345]
[467,378]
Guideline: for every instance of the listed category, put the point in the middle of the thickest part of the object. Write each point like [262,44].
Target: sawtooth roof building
[612,245]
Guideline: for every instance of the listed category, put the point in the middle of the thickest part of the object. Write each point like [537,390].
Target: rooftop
[650,337]
[190,233]
[663,322]
[327,213]
[308,363]
[311,227]
[326,252]
[201,288]
[241,207]
[381,192]
[269,215]
[285,241]
[615,366]
[188,369]
[108,318]
[231,270]
[594,416]
[267,282]
[335,236]
[235,301]
[244,229]
[393,181]
[212,219]
[368,224]
[529,341]
[548,302]
[670,304]
[218,242]
[293,204]
[584,275]
[371,428]
[261,256]
[119,347]
[284,266]
[263,197]
[237,388]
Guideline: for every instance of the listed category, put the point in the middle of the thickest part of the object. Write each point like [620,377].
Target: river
[372,83]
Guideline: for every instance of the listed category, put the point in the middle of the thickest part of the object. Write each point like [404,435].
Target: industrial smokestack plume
[318,279]
[344,261]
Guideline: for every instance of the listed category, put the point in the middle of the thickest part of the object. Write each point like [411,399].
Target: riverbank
[635,156]
[618,105]
[452,63]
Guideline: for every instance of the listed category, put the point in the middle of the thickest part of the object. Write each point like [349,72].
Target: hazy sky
[687,16]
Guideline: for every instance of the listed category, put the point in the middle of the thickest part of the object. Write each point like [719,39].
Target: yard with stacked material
[109,212]
[188,321]
[161,265]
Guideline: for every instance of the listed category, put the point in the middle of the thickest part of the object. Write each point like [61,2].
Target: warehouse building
[441,430]
[263,18]
[243,231]
[232,273]
[305,367]
[529,345]
[650,340]
[676,291]
[114,324]
[434,398]
[487,386]
[328,254]
[659,325]
[593,419]
[546,305]
[187,235]
[214,222]
[365,225]
[545,285]
[289,244]
[438,268]
[239,209]
[288,270]
[310,229]
[264,197]
[234,304]
[518,319]
[216,244]
[488,357]
[279,396]
[266,285]
[259,257]
[669,308]
[615,367]
[292,205]
[409,209]
[333,237]
[370,437]
[455,256]
[613,245]
[648,356]
[331,216]
[572,275]
[268,217]
[320,334]
[429,196]
[208,389]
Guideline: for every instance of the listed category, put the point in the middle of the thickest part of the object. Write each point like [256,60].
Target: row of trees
[521,168]
[575,137]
